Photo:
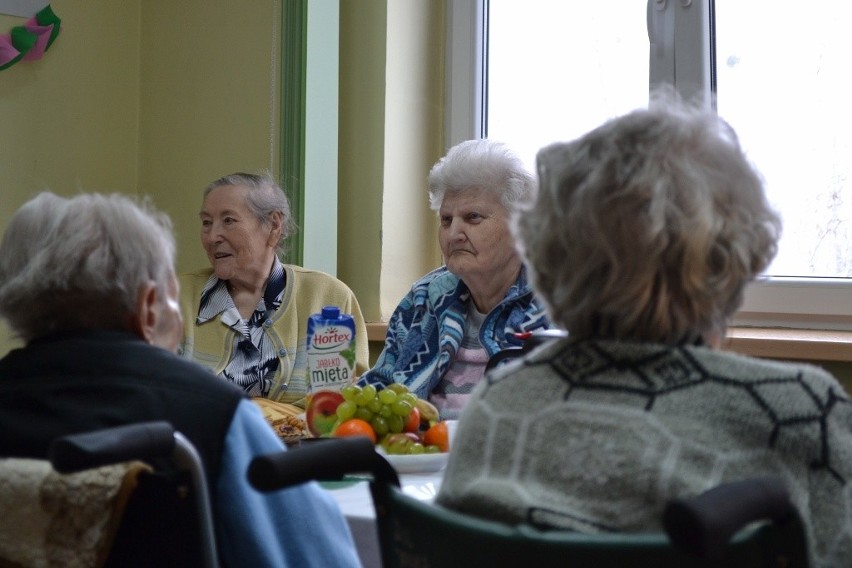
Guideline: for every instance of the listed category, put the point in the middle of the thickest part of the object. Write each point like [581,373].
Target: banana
[428,412]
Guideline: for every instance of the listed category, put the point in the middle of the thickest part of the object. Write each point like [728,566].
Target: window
[788,94]
[551,70]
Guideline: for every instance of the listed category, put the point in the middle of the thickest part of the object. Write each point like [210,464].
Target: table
[353,497]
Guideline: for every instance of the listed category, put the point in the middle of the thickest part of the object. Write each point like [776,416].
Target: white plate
[421,463]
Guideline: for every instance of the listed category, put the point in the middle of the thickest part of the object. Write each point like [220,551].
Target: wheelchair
[750,523]
[152,517]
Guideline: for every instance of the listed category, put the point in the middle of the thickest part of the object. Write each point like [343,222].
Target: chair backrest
[167,520]
[413,533]
[749,524]
[50,519]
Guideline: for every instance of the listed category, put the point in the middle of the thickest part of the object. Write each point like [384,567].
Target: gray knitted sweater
[597,435]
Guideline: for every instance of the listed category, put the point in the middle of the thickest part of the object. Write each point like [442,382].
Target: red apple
[321,413]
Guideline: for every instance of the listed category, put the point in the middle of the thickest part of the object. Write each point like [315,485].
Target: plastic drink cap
[330,312]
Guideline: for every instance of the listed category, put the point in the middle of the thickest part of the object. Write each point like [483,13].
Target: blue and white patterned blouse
[254,359]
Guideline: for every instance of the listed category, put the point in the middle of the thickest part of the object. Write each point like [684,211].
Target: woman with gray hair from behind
[455,318]
[88,283]
[99,289]
[641,240]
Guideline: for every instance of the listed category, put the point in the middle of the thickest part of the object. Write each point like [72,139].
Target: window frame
[682,53]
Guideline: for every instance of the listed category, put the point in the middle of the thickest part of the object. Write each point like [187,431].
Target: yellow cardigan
[306,292]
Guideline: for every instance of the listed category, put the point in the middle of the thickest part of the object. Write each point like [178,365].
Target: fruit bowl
[420,463]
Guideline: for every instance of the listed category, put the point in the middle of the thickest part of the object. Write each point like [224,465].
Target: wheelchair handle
[324,460]
[704,524]
[142,441]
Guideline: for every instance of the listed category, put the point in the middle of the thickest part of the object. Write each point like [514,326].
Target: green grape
[387,396]
[380,425]
[350,391]
[416,448]
[375,405]
[401,408]
[346,409]
[367,394]
[399,447]
[386,411]
[364,413]
[410,397]
[432,449]
[398,388]
[395,422]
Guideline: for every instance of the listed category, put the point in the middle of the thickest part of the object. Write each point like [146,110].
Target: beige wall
[414,137]
[151,97]
[363,45]
[391,93]
[70,120]
[205,103]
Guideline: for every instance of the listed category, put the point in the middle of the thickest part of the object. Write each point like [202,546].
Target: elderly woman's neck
[489,290]
[247,290]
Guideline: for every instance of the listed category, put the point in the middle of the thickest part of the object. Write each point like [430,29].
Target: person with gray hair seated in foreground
[640,241]
[88,283]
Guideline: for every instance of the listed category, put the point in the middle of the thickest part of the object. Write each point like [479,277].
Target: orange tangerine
[355,427]
[437,435]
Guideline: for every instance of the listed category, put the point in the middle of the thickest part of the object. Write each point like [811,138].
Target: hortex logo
[331,338]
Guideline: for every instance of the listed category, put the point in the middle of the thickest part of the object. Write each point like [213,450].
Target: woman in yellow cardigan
[246,316]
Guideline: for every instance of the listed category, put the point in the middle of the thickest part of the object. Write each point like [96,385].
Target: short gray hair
[481,164]
[264,198]
[81,262]
[648,227]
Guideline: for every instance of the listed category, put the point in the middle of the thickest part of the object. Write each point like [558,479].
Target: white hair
[481,164]
[81,262]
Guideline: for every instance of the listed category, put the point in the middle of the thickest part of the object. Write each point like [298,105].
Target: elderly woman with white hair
[455,318]
[641,240]
[246,316]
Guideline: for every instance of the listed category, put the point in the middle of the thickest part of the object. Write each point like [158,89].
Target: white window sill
[786,343]
[775,343]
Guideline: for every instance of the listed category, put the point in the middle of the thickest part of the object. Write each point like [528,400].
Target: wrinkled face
[168,330]
[474,235]
[237,244]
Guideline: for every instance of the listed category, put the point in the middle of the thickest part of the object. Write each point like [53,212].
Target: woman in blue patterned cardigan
[455,318]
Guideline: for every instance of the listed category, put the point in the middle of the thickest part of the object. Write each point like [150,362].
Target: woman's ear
[144,321]
[276,223]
